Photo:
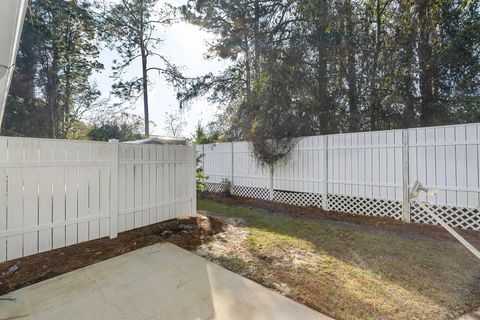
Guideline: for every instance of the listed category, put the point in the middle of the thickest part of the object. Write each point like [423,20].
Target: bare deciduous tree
[174,123]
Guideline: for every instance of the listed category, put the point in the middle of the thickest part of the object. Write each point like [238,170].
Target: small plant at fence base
[200,176]
[200,180]
[226,186]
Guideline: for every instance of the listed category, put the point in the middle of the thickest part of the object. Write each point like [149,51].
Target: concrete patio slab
[161,281]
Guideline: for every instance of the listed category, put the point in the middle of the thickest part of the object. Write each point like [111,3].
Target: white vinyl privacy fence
[363,173]
[55,193]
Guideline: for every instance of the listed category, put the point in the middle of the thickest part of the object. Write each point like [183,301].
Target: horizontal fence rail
[55,193]
[366,173]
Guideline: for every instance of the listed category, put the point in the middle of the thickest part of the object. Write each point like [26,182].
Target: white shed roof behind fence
[12,14]
[160,140]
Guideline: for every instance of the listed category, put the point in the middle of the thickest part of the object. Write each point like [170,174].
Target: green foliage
[200,180]
[58,52]
[321,66]
[226,186]
[122,131]
[200,136]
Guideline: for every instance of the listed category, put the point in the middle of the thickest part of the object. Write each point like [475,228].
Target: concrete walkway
[161,281]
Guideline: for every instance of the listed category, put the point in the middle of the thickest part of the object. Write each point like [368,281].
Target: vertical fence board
[83,192]
[130,187]
[71,176]
[45,196]
[104,187]
[145,184]
[171,183]
[122,188]
[153,185]
[30,197]
[138,219]
[94,193]
[160,210]
[15,199]
[58,193]
[3,199]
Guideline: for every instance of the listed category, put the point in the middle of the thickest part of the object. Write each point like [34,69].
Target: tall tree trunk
[246,50]
[425,63]
[323,101]
[145,90]
[408,88]
[322,90]
[352,92]
[51,92]
[407,59]
[256,37]
[374,94]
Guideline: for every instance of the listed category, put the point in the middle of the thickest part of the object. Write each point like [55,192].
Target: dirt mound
[187,233]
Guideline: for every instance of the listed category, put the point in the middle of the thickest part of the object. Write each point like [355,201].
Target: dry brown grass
[348,270]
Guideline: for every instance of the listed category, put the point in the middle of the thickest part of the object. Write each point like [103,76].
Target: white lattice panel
[365,206]
[250,192]
[465,218]
[213,187]
[242,191]
[301,199]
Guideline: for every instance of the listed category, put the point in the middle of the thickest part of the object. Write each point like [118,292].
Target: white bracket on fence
[413,196]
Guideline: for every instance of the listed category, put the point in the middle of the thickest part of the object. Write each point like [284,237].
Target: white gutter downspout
[6,71]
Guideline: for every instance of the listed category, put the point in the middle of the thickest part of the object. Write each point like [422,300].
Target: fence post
[113,188]
[270,185]
[194,173]
[405,176]
[325,173]
[233,166]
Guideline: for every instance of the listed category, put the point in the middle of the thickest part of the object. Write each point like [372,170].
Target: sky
[185,45]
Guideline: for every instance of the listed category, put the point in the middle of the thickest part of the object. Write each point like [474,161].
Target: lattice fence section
[213,187]
[365,206]
[302,199]
[242,191]
[465,218]
[250,192]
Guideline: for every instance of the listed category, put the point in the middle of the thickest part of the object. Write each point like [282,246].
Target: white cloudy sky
[185,45]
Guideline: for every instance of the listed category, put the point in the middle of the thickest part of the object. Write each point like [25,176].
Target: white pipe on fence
[450,230]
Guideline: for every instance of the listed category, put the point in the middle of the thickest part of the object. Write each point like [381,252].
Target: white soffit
[12,14]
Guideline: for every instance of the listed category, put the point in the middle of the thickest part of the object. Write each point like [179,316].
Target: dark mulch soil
[408,230]
[187,233]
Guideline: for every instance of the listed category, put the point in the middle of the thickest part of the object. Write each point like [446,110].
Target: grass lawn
[345,269]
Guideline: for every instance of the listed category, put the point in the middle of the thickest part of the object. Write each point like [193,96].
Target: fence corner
[114,144]
[193,211]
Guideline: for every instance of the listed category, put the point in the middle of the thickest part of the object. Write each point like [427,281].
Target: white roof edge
[10,40]
[160,140]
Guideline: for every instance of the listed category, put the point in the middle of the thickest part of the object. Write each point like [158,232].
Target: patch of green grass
[351,272]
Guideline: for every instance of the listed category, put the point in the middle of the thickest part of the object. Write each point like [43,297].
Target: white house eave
[12,15]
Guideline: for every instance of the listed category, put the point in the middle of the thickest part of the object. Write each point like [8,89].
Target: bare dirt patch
[187,233]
